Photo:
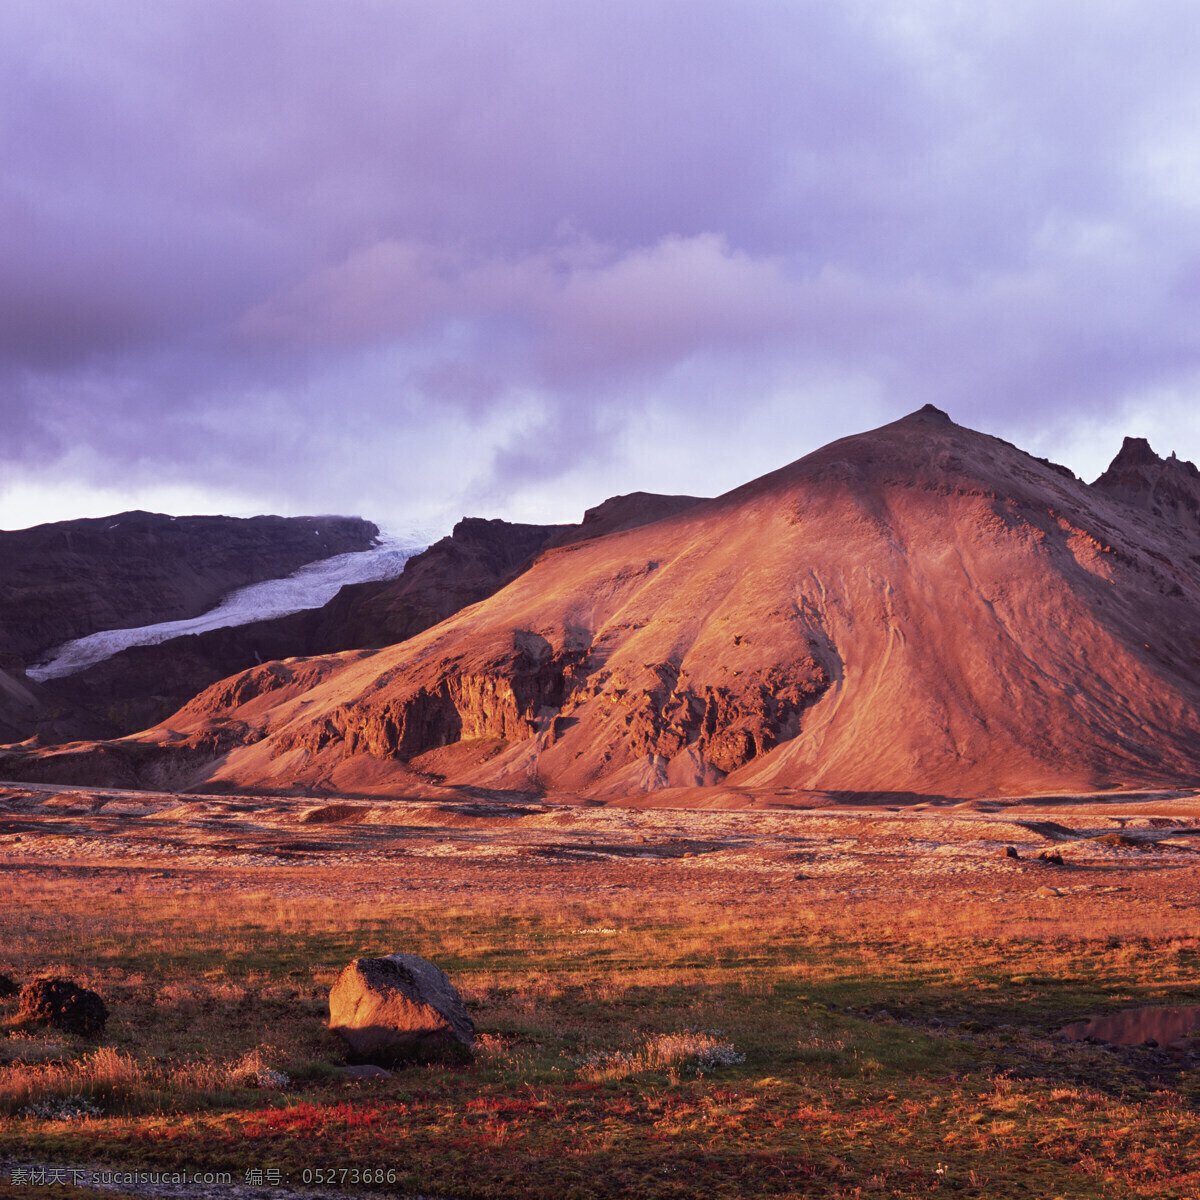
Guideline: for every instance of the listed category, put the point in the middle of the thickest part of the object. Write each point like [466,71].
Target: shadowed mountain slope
[920,609]
[64,580]
[19,705]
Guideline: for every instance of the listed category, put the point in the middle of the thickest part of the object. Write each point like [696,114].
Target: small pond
[1136,1026]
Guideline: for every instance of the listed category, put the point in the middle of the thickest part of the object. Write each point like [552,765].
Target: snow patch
[312,586]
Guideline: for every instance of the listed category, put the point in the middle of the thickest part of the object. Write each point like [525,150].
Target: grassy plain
[634,1040]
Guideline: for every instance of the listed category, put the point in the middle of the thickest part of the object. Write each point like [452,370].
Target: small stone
[365,1071]
[8,987]
[1009,852]
[63,1005]
[1051,858]
[1046,893]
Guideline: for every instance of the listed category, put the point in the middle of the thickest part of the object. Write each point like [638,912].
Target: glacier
[312,586]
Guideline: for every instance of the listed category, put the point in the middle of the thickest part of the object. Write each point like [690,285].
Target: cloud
[578,309]
[413,258]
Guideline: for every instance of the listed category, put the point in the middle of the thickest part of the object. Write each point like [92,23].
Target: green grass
[584,1085]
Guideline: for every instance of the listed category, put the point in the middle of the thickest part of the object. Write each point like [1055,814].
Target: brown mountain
[143,685]
[920,609]
[478,558]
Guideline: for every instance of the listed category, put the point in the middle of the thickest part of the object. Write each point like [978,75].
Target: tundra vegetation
[640,1046]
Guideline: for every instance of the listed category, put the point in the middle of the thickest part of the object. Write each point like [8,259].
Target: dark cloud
[406,258]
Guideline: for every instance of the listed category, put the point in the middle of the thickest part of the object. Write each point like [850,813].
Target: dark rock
[63,1005]
[1009,852]
[1051,858]
[8,986]
[365,1072]
[932,411]
[397,1009]
[1051,830]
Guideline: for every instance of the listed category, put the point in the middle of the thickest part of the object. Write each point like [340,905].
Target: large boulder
[398,1009]
[63,1005]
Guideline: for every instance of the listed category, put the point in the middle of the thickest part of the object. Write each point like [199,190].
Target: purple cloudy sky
[415,260]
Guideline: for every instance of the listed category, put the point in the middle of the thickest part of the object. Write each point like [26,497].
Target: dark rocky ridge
[65,580]
[1167,487]
[477,559]
[619,513]
[474,562]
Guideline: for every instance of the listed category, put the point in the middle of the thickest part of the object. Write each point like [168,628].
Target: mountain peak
[1135,452]
[933,413]
[1167,487]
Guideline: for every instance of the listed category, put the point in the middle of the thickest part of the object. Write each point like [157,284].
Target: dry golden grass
[698,1050]
[117,1078]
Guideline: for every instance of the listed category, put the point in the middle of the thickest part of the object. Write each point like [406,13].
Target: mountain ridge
[921,609]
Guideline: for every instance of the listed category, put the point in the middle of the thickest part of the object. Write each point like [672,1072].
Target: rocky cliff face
[921,609]
[72,578]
